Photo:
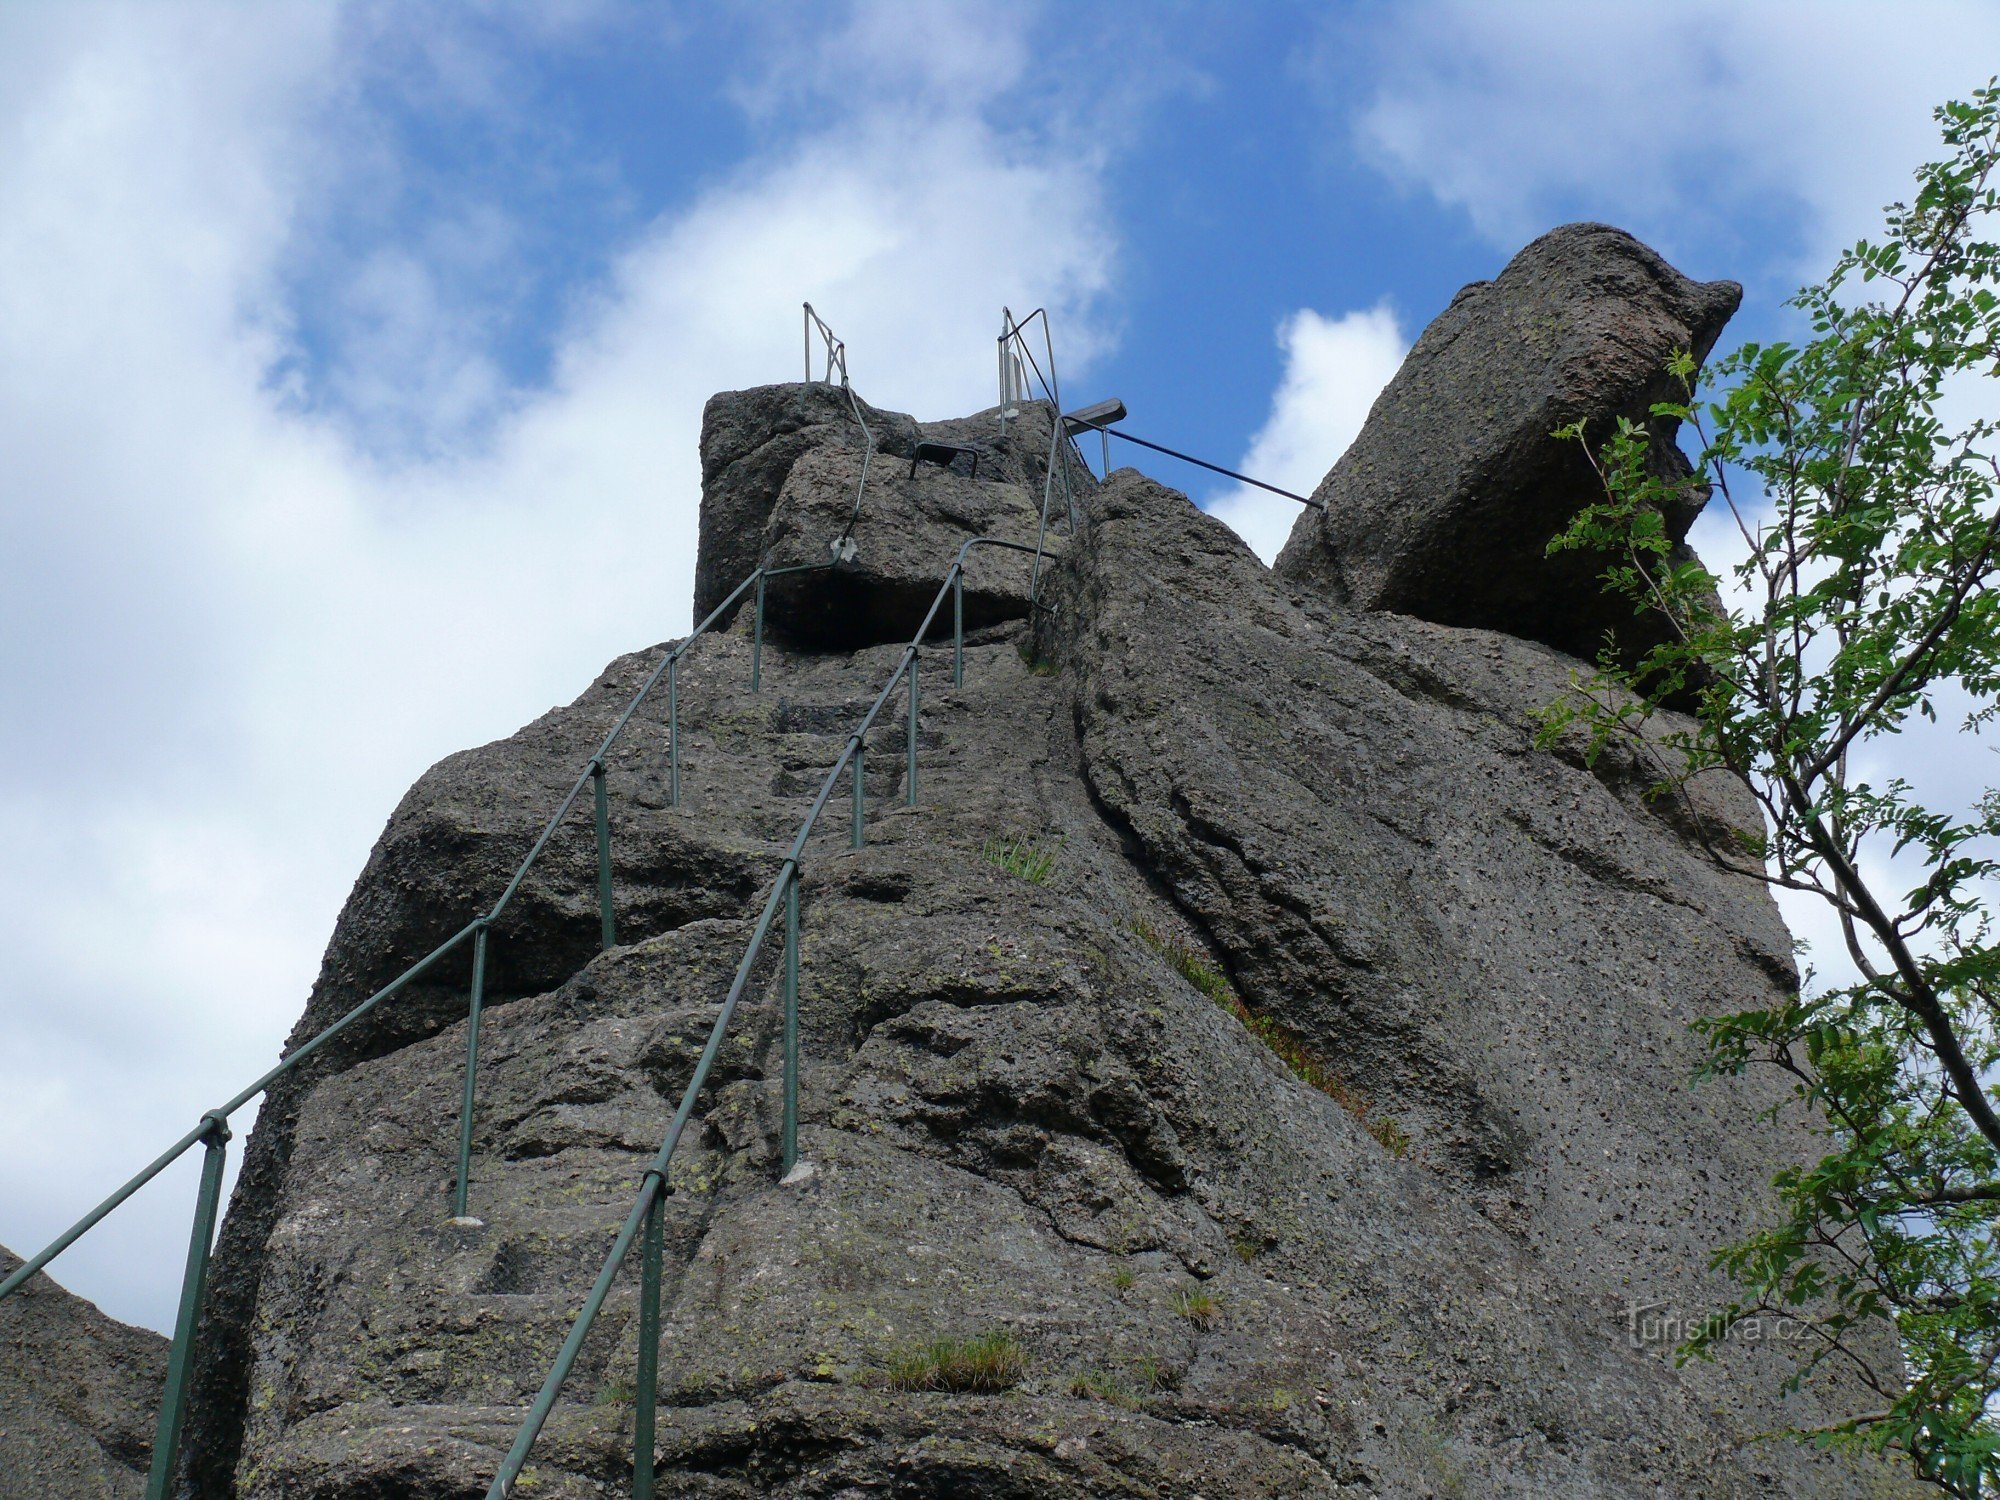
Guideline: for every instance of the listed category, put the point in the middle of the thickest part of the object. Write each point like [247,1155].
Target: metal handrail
[212,1131]
[646,1212]
[836,348]
[1013,344]
[1188,458]
[840,548]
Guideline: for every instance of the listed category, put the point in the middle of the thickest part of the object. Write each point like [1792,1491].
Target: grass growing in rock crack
[1124,1278]
[1149,1376]
[1288,1047]
[1098,1385]
[1039,666]
[1155,1375]
[1033,862]
[984,1363]
[1198,1305]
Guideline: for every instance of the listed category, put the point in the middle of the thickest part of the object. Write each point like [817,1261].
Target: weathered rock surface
[79,1394]
[756,509]
[749,442]
[914,518]
[1444,505]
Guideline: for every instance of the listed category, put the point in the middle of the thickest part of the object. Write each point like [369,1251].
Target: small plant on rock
[1097,1385]
[986,1363]
[1030,861]
[1155,1376]
[1198,1305]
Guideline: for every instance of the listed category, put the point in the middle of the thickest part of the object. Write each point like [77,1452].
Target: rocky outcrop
[759,506]
[1248,1030]
[884,590]
[79,1396]
[1444,506]
[749,442]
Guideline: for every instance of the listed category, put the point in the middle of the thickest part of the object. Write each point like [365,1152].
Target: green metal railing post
[910,738]
[757,641]
[674,730]
[958,627]
[462,1191]
[791,1130]
[194,1286]
[606,919]
[859,837]
[648,1378]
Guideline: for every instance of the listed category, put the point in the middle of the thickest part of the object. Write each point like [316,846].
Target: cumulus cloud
[1334,369]
[232,630]
[1710,121]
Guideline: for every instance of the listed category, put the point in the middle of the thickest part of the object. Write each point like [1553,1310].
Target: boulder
[912,522]
[749,442]
[1444,506]
[781,468]
[79,1396]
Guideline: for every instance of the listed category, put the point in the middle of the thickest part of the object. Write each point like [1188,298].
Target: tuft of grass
[616,1393]
[1190,965]
[1289,1048]
[1032,862]
[1037,665]
[1097,1385]
[1155,1375]
[1198,1305]
[1124,1278]
[985,1363]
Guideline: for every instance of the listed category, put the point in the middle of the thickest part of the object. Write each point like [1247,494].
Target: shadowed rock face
[1444,506]
[79,1396]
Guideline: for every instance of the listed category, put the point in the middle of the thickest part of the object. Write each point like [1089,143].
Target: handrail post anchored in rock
[607,920]
[475,1007]
[957,626]
[854,769]
[646,1382]
[910,736]
[789,1150]
[674,730]
[194,1288]
[757,637]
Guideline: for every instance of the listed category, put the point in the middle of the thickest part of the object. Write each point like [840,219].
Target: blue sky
[354,357]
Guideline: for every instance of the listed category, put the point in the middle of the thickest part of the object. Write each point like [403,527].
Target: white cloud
[1681,123]
[1334,369]
[229,638]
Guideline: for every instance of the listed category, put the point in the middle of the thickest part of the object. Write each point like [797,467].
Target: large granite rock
[749,442]
[79,1396]
[780,467]
[911,525]
[1444,506]
[1407,1261]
